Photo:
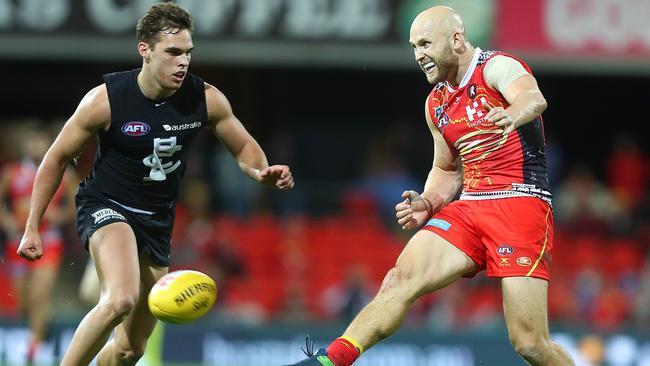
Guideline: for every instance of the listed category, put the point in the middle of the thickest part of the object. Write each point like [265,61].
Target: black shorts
[153,233]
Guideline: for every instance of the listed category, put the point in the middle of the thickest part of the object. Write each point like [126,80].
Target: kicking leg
[128,345]
[524,307]
[115,253]
[427,263]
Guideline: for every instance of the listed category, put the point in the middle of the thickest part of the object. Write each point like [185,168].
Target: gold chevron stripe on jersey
[466,146]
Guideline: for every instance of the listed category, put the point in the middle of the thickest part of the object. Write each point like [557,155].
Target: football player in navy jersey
[144,119]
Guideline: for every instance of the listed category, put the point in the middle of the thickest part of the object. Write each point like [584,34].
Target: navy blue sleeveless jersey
[140,160]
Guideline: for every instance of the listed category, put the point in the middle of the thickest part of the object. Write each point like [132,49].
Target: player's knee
[400,279]
[531,347]
[129,355]
[118,308]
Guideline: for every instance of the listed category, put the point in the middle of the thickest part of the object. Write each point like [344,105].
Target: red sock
[31,351]
[342,353]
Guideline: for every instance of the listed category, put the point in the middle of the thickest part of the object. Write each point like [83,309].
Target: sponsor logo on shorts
[106,214]
[135,128]
[441,224]
[524,261]
[504,262]
[505,249]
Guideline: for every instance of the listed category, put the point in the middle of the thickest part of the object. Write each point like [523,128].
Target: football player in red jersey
[485,117]
[33,282]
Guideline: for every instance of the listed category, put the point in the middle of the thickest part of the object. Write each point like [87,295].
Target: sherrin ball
[182,296]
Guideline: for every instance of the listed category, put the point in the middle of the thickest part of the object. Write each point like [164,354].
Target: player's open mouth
[179,75]
[428,67]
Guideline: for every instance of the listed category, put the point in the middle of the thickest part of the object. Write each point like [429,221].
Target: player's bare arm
[446,175]
[526,103]
[92,114]
[443,182]
[243,147]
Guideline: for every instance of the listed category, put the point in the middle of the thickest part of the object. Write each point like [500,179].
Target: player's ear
[144,50]
[457,40]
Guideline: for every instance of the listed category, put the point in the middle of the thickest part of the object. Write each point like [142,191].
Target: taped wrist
[428,205]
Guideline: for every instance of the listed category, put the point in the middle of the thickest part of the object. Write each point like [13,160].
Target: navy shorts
[153,233]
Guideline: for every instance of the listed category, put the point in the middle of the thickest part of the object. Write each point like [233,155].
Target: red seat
[623,255]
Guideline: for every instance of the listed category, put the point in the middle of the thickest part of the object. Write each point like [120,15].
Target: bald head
[441,20]
[439,43]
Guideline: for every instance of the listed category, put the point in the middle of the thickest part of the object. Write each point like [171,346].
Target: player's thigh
[525,309]
[139,324]
[430,262]
[115,253]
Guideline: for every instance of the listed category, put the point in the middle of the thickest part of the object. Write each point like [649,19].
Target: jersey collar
[469,72]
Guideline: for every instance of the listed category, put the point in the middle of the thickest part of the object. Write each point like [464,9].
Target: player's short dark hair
[163,17]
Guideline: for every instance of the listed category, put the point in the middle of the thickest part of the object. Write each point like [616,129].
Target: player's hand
[413,211]
[500,117]
[278,176]
[31,246]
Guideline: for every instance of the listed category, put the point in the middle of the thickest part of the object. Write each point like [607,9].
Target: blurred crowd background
[354,135]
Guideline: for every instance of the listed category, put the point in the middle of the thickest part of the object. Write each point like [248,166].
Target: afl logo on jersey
[135,128]
[505,249]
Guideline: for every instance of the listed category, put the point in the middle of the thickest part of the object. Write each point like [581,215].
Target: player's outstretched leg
[524,307]
[128,345]
[427,263]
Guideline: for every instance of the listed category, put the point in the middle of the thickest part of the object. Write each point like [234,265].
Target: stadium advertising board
[596,31]
[352,20]
[246,346]
[549,33]
[259,32]
[226,31]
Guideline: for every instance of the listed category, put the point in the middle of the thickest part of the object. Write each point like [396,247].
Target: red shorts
[53,253]
[509,237]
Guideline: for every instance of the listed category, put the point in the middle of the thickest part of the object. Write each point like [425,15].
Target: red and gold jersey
[495,165]
[19,191]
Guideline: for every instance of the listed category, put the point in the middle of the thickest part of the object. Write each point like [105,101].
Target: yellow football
[182,296]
